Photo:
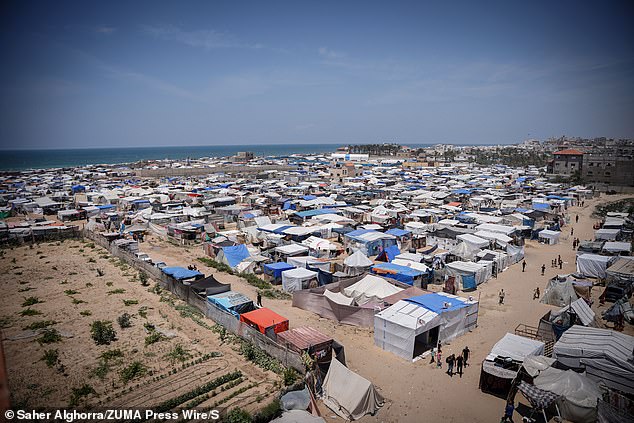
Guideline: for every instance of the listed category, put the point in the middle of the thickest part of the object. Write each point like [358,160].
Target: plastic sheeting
[593,265]
[349,395]
[295,279]
[515,347]
[180,273]
[234,255]
[370,288]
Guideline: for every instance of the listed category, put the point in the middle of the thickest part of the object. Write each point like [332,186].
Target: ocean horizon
[17,160]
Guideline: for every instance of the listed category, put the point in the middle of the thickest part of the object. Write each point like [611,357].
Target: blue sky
[97,74]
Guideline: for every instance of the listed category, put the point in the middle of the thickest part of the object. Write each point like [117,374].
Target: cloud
[205,38]
[104,29]
[331,54]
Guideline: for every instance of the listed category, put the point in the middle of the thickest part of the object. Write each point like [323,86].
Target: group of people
[192,267]
[459,362]
[557,262]
[575,243]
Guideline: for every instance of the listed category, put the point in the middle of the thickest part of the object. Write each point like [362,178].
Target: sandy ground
[47,271]
[418,391]
[414,392]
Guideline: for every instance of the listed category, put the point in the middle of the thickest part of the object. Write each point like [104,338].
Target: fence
[287,357]
[44,234]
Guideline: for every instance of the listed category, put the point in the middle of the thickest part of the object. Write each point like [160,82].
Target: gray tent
[348,394]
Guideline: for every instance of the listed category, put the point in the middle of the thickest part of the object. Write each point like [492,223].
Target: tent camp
[349,395]
[606,234]
[370,288]
[296,279]
[604,354]
[405,274]
[474,242]
[265,321]
[593,265]
[233,255]
[549,237]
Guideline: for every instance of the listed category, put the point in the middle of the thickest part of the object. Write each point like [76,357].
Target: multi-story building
[340,172]
[609,169]
[566,162]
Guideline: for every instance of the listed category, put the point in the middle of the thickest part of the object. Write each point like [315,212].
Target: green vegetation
[237,415]
[130,302]
[622,206]
[112,354]
[153,338]
[260,357]
[49,336]
[133,371]
[79,393]
[50,357]
[102,332]
[124,321]
[71,292]
[196,392]
[116,291]
[143,277]
[289,376]
[178,353]
[78,301]
[86,313]
[31,301]
[30,312]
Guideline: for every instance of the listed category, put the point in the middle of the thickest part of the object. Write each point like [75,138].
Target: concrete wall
[228,321]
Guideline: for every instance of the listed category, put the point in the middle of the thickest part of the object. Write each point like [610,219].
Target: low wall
[42,236]
[228,321]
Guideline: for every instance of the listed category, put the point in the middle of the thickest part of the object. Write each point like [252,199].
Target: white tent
[549,237]
[370,288]
[593,265]
[468,268]
[305,261]
[338,297]
[516,348]
[606,234]
[492,227]
[291,249]
[494,236]
[559,292]
[414,265]
[349,395]
[358,260]
[401,327]
[297,279]
[473,241]
[617,247]
[579,394]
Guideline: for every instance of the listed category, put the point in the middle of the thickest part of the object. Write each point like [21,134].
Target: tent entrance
[425,341]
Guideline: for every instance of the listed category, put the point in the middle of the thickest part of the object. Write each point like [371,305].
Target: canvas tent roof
[338,297]
[291,249]
[349,395]
[473,240]
[358,259]
[559,293]
[622,268]
[605,354]
[369,288]
[515,347]
[593,265]
[180,273]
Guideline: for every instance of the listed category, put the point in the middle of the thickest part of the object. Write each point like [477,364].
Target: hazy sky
[207,73]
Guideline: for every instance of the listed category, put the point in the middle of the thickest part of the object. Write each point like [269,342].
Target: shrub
[49,336]
[130,302]
[269,412]
[79,393]
[30,312]
[100,272]
[71,292]
[86,313]
[116,291]
[237,415]
[133,371]
[289,376]
[77,301]
[31,301]
[153,338]
[40,324]
[179,353]
[112,354]
[124,321]
[102,332]
[143,277]
[50,357]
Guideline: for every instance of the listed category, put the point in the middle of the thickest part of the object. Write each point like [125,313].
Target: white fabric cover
[338,297]
[358,259]
[559,293]
[459,268]
[551,236]
[473,241]
[579,393]
[516,347]
[396,327]
[349,395]
[593,265]
[292,279]
[370,288]
[298,416]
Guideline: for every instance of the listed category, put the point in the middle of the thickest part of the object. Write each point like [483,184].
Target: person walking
[543,269]
[465,355]
[523,266]
[572,231]
[508,412]
[501,295]
[450,363]
[259,300]
[536,294]
[560,264]
[439,358]
[577,219]
[459,361]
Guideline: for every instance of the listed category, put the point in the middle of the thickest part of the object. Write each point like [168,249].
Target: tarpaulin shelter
[209,286]
[622,269]
[296,279]
[605,355]
[265,321]
[397,272]
[232,302]
[460,269]
[549,237]
[181,273]
[370,288]
[593,265]
[274,270]
[357,263]
[233,255]
[559,292]
[457,315]
[389,253]
[349,395]
[607,234]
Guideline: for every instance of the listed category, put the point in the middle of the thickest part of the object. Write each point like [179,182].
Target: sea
[60,158]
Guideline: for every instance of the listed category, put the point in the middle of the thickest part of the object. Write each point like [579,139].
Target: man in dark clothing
[577,219]
[450,362]
[560,263]
[259,300]
[459,361]
[523,265]
[465,355]
[543,269]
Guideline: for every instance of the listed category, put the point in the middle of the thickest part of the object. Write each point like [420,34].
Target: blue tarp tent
[181,273]
[435,302]
[394,271]
[78,188]
[316,212]
[235,254]
[232,302]
[276,269]
[389,254]
[398,232]
[468,282]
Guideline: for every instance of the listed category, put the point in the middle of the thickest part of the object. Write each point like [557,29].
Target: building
[340,172]
[566,162]
[609,169]
[243,156]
